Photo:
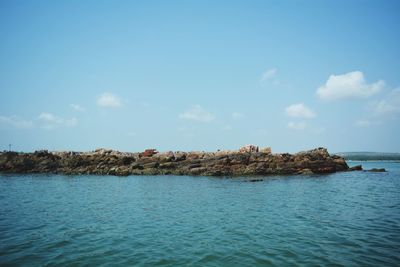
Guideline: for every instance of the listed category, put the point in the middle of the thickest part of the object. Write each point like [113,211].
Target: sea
[340,219]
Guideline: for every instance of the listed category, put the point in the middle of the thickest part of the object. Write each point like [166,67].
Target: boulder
[356,168]
[306,172]
[266,150]
[149,152]
[376,170]
[248,149]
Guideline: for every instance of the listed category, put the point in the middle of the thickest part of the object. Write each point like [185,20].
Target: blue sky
[200,75]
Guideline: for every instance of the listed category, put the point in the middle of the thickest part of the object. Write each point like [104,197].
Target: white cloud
[108,100]
[363,123]
[48,117]
[77,108]
[197,113]
[349,85]
[16,122]
[390,105]
[299,126]
[299,111]
[237,115]
[50,121]
[268,74]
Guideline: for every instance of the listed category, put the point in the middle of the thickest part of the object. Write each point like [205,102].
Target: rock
[41,153]
[180,156]
[254,180]
[151,165]
[222,153]
[127,160]
[149,152]
[112,171]
[266,150]
[167,165]
[306,172]
[248,149]
[356,168]
[122,171]
[197,170]
[247,161]
[376,170]
[194,165]
[102,151]
[195,155]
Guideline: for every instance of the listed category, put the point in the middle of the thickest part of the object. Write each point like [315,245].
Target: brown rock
[356,168]
[248,149]
[247,161]
[376,170]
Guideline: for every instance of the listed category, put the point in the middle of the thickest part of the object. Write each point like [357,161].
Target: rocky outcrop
[356,168]
[248,160]
[377,170]
[249,149]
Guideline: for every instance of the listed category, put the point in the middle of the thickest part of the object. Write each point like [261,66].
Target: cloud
[387,108]
[197,113]
[237,115]
[268,75]
[390,105]
[299,126]
[349,85]
[299,111]
[108,100]
[77,108]
[16,122]
[48,117]
[363,123]
[50,121]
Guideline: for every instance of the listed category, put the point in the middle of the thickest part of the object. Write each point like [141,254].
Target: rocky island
[249,160]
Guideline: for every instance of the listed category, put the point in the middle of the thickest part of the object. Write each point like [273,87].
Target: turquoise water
[343,219]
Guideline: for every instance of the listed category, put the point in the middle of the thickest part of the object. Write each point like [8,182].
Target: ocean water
[342,219]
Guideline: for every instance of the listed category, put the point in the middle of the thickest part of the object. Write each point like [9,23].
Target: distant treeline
[369,156]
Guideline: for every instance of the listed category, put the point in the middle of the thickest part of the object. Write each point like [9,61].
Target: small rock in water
[377,170]
[255,180]
[356,168]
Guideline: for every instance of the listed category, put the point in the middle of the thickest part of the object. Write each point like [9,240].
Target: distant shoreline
[373,160]
[369,156]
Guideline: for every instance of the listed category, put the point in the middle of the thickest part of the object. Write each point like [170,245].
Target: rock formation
[249,160]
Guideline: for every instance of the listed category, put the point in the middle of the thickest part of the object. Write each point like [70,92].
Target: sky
[200,75]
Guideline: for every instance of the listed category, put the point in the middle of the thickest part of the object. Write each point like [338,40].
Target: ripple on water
[343,219]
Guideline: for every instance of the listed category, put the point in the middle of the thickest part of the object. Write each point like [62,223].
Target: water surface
[343,219]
